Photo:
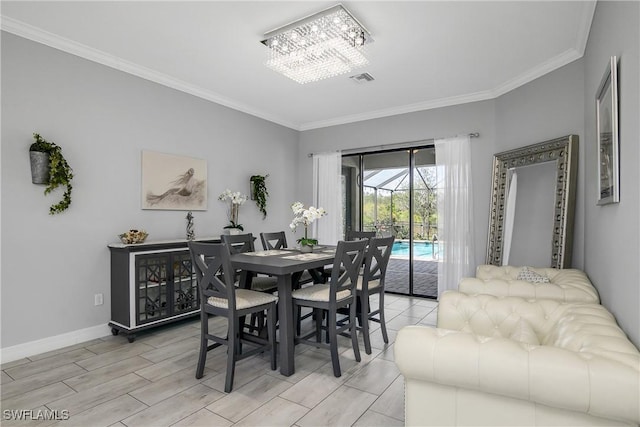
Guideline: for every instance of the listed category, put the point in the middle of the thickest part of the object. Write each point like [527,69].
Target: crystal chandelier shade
[327,44]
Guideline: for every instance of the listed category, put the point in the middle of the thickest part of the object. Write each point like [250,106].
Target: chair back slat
[238,243]
[275,240]
[351,235]
[210,262]
[349,256]
[376,259]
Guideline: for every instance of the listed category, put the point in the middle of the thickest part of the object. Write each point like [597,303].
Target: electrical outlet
[98,299]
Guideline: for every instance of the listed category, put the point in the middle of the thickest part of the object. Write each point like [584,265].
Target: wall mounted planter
[48,166]
[259,192]
[39,167]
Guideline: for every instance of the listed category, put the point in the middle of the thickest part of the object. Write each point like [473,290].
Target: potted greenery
[48,166]
[259,192]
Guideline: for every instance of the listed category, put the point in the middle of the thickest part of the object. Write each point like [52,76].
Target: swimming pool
[420,249]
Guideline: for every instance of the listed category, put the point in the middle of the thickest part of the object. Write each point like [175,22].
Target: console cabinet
[151,284]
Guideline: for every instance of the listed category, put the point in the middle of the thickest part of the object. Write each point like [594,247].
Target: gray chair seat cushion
[372,283]
[318,293]
[244,299]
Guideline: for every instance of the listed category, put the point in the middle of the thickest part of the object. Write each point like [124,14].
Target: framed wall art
[171,182]
[607,135]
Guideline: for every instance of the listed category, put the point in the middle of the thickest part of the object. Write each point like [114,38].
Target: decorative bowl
[133,236]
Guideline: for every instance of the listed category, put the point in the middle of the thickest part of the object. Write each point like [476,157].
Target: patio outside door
[393,194]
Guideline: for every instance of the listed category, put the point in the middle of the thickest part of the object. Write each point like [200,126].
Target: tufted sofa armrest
[570,285]
[547,375]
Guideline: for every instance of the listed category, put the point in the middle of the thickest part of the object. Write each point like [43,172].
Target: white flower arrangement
[305,217]
[235,199]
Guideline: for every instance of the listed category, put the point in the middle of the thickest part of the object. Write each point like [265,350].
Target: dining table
[286,264]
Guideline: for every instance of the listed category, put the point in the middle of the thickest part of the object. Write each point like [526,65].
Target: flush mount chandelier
[322,45]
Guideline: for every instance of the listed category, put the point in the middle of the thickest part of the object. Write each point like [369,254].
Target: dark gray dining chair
[359,235]
[274,240]
[351,235]
[329,298]
[219,297]
[241,243]
[371,282]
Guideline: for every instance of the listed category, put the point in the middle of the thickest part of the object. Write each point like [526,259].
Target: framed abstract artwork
[171,182]
[607,136]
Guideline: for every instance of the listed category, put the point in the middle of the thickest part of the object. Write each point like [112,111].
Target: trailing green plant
[60,172]
[260,193]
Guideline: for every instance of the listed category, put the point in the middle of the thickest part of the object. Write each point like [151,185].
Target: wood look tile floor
[151,382]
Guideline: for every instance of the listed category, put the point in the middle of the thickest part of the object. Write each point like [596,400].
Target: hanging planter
[48,166]
[259,192]
[40,169]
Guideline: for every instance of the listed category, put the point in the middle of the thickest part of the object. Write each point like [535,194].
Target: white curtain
[327,193]
[455,211]
[509,215]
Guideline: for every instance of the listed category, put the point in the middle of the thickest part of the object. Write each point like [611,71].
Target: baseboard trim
[27,349]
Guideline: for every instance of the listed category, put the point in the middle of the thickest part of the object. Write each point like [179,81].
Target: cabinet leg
[114,331]
[131,338]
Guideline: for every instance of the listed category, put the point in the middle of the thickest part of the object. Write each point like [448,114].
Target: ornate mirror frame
[563,151]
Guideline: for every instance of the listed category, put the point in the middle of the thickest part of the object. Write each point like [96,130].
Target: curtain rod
[398,146]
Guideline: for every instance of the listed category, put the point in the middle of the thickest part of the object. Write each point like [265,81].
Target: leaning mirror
[533,192]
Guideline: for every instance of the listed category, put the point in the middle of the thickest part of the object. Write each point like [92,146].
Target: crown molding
[558,61]
[554,63]
[403,109]
[52,40]
[528,76]
[55,41]
[582,37]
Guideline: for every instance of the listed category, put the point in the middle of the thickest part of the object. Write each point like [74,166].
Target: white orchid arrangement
[235,199]
[305,217]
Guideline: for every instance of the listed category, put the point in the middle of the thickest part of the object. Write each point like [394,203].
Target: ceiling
[425,54]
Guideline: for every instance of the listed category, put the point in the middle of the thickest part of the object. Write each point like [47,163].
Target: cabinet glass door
[185,291]
[152,285]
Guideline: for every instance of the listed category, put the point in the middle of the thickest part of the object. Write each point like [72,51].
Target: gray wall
[607,238]
[546,108]
[612,232]
[102,118]
[441,122]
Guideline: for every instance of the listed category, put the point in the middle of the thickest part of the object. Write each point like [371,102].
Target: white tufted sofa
[569,285]
[482,365]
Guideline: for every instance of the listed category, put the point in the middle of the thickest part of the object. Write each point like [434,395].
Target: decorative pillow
[531,276]
[523,332]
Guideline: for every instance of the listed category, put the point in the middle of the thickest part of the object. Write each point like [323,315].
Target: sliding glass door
[424,235]
[393,194]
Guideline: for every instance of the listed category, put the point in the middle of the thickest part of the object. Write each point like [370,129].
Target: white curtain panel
[455,211]
[327,193]
[510,211]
